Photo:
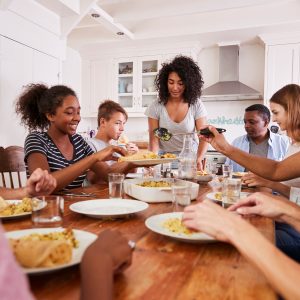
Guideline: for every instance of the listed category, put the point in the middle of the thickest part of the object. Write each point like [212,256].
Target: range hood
[229,87]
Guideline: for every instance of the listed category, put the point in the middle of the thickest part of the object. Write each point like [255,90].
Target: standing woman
[179,108]
[52,116]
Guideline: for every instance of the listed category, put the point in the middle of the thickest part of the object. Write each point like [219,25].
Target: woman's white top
[293,148]
[159,112]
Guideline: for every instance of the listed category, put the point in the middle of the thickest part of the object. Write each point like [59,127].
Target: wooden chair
[12,163]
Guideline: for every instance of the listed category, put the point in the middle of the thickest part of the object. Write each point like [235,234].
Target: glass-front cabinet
[135,89]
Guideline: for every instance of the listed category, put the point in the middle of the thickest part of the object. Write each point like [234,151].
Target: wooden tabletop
[162,268]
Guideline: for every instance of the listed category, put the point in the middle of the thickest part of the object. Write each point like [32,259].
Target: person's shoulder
[37,136]
[96,144]
[240,139]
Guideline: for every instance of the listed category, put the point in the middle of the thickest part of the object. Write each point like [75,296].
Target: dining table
[162,267]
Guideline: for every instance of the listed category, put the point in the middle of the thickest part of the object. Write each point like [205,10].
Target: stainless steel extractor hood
[229,87]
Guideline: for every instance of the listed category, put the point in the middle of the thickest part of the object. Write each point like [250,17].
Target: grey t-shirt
[158,111]
[98,145]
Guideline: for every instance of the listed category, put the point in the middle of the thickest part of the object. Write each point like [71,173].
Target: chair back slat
[12,163]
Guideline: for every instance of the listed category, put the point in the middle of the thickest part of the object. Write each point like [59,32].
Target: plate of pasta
[11,209]
[170,225]
[148,158]
[43,250]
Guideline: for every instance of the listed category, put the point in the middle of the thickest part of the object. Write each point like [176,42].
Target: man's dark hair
[263,111]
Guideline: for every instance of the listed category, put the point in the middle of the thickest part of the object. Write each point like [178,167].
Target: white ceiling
[206,21]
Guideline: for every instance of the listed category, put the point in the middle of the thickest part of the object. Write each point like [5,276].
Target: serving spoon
[165,135]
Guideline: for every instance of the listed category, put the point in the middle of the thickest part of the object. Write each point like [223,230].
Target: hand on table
[210,218]
[262,204]
[253,180]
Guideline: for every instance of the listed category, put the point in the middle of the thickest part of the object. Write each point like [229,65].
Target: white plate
[150,162]
[19,215]
[211,196]
[100,208]
[155,223]
[153,194]
[85,239]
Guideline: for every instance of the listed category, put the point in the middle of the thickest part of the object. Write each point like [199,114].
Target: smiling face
[67,116]
[279,115]
[175,85]
[114,127]
[255,125]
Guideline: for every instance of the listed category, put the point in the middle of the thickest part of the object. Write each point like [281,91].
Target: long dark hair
[37,100]
[190,74]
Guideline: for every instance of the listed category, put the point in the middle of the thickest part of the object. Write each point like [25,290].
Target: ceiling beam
[108,21]
[70,22]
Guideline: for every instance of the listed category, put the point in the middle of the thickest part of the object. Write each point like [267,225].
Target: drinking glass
[231,190]
[115,184]
[227,171]
[181,192]
[48,211]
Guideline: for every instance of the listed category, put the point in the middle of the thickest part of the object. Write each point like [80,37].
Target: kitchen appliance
[216,157]
[229,87]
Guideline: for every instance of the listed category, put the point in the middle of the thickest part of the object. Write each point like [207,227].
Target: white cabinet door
[101,84]
[126,83]
[46,69]
[148,67]
[282,67]
[15,72]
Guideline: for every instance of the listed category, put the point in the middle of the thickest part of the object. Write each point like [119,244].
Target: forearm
[96,278]
[280,271]
[13,193]
[263,167]
[202,148]
[67,175]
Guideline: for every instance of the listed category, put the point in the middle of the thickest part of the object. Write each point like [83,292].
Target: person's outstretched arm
[281,271]
[289,168]
[67,175]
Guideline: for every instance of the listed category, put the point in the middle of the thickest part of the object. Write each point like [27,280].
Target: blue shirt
[278,145]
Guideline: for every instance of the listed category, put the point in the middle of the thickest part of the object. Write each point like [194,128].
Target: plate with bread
[148,158]
[43,250]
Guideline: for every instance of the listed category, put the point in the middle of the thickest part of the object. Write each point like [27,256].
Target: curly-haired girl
[179,108]
[52,116]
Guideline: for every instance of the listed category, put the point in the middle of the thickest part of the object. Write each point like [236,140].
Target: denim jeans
[288,240]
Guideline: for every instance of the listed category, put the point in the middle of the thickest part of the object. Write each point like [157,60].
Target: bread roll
[38,254]
[123,139]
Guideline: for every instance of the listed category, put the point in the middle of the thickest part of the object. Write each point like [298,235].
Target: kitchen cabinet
[282,67]
[134,82]
[19,66]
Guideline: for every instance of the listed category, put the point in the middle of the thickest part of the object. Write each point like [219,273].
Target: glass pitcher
[187,166]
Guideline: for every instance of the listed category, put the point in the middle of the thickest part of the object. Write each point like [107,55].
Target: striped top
[40,142]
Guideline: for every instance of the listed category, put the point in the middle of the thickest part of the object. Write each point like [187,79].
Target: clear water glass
[115,184]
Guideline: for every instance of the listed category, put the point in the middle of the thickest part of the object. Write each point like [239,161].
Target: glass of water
[231,191]
[181,192]
[115,183]
[48,211]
